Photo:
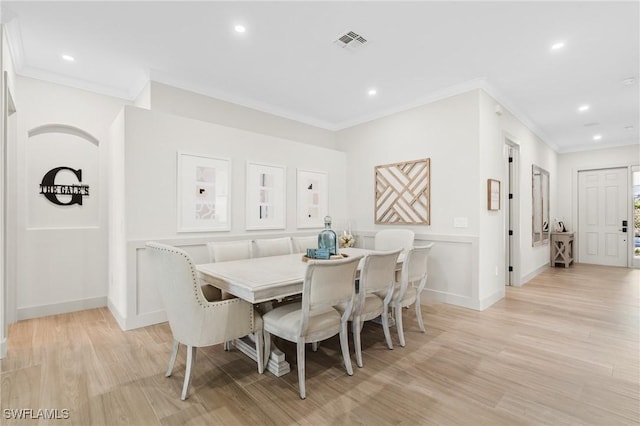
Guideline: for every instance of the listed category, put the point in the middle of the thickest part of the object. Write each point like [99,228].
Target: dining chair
[326,283]
[273,246]
[196,321]
[391,239]
[413,278]
[376,284]
[301,244]
[230,250]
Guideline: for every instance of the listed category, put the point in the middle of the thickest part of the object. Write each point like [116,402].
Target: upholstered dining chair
[230,250]
[273,246]
[194,320]
[413,278]
[301,244]
[327,283]
[392,239]
[377,278]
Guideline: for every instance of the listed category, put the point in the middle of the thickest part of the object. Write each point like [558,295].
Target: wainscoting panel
[453,268]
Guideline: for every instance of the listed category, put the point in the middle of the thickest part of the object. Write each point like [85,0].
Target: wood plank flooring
[563,349]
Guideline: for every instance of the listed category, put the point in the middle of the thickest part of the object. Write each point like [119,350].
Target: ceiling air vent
[351,40]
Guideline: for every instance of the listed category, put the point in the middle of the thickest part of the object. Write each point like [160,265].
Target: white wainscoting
[453,268]
[143,302]
[453,273]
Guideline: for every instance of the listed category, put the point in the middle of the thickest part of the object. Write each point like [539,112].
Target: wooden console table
[562,248]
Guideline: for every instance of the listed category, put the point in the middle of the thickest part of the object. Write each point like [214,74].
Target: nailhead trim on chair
[194,275]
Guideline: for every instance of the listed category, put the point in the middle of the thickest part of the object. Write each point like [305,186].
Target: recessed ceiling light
[372,92]
[628,81]
[583,108]
[597,137]
[68,58]
[240,28]
[557,46]
[628,127]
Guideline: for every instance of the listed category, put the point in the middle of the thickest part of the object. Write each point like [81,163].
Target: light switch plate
[460,222]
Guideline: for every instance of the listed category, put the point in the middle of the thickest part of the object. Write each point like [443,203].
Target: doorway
[603,231]
[512,214]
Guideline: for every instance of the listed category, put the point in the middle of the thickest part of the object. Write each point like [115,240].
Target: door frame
[575,200]
[512,211]
[632,262]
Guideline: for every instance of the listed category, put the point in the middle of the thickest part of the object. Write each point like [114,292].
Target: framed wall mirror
[540,205]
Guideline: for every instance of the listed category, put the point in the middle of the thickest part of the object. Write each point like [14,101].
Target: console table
[561,248]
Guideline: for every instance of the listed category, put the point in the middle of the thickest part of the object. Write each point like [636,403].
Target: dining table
[264,281]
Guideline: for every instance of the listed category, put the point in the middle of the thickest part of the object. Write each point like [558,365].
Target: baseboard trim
[136,321]
[495,297]
[531,275]
[61,308]
[115,313]
[452,299]
[144,320]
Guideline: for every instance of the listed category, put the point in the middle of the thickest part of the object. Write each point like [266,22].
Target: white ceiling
[287,63]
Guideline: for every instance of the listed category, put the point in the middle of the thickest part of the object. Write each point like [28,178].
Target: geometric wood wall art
[403,193]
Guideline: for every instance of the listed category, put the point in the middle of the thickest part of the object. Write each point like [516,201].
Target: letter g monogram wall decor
[50,190]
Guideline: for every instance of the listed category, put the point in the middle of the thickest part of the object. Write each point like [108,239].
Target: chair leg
[172,360]
[267,348]
[227,345]
[191,359]
[399,325]
[259,350]
[419,316]
[385,328]
[314,346]
[355,330]
[344,345]
[300,360]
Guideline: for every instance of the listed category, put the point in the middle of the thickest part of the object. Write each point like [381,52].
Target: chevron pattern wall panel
[402,193]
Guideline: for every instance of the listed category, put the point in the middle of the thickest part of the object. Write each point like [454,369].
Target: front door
[602,208]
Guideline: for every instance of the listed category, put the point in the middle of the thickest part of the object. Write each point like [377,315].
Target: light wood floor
[563,349]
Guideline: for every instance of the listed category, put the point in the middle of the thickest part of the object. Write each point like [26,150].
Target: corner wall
[447,132]
[495,128]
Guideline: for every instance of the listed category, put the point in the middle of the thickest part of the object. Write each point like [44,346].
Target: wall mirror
[540,205]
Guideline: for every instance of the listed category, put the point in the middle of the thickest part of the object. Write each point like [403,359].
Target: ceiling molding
[592,147]
[241,101]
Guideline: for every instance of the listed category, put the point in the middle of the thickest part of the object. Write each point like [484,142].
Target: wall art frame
[493,194]
[266,196]
[203,193]
[312,203]
[402,193]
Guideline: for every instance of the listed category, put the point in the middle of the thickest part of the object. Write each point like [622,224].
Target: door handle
[623,230]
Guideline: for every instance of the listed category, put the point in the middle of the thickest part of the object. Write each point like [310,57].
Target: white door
[602,208]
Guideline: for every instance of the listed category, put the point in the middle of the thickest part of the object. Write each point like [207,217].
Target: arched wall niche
[63,128]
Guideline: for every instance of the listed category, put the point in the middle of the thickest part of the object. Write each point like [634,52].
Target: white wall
[8,213]
[74,256]
[184,103]
[447,132]
[151,143]
[532,150]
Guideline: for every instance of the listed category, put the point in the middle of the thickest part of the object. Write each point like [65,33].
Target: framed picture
[313,198]
[402,193]
[493,194]
[203,193]
[266,194]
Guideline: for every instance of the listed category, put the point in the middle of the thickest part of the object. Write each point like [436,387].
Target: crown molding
[163,78]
